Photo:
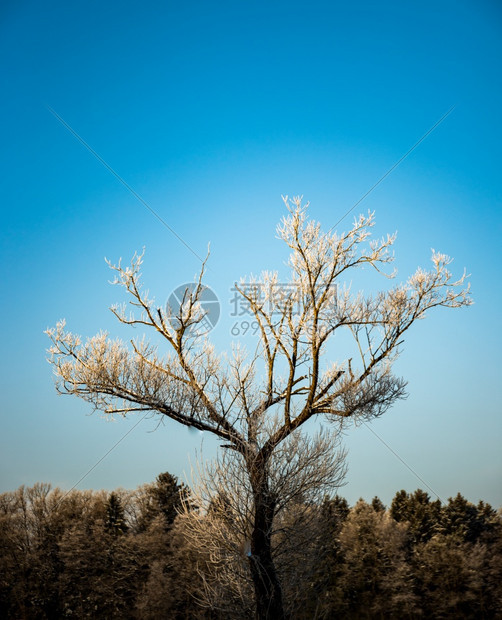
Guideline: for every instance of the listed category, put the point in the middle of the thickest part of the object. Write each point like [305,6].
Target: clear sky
[210,111]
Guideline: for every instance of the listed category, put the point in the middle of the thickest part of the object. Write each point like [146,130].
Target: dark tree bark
[268,591]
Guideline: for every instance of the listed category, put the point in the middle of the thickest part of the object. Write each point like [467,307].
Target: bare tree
[286,379]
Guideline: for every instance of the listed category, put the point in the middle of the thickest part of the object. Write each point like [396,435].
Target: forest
[132,554]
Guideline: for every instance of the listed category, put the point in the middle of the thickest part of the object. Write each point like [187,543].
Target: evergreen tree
[326,597]
[375,579]
[103,573]
[163,498]
[466,522]
[449,578]
[417,509]
[377,504]
[115,521]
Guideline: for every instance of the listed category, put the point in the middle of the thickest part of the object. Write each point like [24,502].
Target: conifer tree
[115,521]
[417,509]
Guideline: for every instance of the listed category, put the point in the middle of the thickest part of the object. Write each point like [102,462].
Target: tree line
[132,554]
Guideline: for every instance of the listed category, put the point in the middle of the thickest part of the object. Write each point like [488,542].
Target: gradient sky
[210,111]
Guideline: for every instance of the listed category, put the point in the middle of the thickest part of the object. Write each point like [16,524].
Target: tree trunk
[268,592]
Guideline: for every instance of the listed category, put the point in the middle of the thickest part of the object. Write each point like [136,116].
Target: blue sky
[211,111]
